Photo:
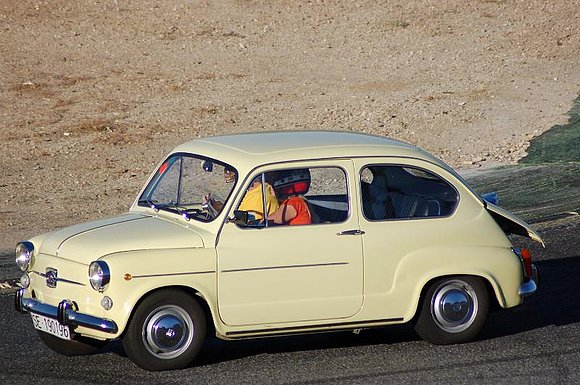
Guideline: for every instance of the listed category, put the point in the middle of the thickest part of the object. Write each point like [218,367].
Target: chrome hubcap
[168,332]
[454,306]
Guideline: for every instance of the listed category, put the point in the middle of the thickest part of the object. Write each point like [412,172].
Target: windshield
[192,186]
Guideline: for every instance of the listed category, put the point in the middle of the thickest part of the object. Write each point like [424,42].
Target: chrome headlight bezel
[99,275]
[24,255]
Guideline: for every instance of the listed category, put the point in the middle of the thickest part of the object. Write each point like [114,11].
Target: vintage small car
[267,234]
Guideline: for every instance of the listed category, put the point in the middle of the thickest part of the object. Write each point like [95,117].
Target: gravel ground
[94,93]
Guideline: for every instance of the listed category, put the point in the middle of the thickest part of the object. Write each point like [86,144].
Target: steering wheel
[210,206]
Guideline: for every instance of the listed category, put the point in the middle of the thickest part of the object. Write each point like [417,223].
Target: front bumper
[528,288]
[65,313]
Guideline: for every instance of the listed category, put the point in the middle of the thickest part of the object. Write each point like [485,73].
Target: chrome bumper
[528,288]
[64,313]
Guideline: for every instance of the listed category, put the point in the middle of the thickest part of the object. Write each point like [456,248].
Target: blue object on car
[491,197]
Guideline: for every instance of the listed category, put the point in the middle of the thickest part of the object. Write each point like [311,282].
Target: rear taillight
[526,258]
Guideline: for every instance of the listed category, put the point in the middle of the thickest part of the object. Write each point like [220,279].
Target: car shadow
[555,303]
[216,350]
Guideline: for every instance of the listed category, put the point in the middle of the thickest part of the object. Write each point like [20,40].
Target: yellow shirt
[254,203]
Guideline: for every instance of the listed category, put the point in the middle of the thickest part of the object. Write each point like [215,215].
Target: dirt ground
[94,93]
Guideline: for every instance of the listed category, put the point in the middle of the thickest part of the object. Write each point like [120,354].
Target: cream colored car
[338,231]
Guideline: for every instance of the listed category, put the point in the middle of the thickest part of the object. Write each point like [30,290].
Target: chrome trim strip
[284,267]
[173,274]
[64,313]
[43,275]
[344,325]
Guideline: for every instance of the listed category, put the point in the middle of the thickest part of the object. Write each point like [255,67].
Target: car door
[407,210]
[286,274]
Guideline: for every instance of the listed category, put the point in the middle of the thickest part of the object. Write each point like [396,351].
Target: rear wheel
[80,346]
[454,310]
[166,331]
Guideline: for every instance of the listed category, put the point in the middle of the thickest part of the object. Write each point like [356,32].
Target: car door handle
[351,232]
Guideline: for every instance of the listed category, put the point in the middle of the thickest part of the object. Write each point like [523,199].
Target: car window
[328,195]
[316,195]
[396,191]
[185,184]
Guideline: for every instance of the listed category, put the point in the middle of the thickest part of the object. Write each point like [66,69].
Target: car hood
[89,241]
[511,224]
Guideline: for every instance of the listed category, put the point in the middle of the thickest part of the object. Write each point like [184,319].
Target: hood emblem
[51,277]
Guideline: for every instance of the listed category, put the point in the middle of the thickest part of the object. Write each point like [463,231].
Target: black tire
[454,310]
[166,331]
[80,346]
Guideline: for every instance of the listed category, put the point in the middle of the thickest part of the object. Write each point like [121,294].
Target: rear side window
[396,191]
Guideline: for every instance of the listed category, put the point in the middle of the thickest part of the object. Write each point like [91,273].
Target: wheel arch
[498,267]
[491,291]
[453,309]
[195,294]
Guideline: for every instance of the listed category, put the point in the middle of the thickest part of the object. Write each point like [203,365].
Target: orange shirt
[303,214]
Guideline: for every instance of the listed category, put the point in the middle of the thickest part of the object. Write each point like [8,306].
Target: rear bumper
[64,313]
[528,288]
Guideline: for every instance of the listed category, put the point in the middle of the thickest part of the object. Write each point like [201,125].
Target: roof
[271,147]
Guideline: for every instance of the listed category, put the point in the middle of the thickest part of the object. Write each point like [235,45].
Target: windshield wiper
[172,207]
[148,202]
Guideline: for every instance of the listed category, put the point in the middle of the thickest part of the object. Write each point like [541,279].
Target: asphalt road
[537,343]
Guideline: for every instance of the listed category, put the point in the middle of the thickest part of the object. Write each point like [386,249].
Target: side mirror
[245,219]
[241,218]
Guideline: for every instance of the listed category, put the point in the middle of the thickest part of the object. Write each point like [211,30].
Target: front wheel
[80,346]
[166,331]
[453,311]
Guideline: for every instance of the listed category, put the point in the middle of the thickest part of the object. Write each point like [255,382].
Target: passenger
[290,186]
[253,201]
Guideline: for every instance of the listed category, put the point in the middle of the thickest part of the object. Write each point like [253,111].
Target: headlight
[99,275]
[24,251]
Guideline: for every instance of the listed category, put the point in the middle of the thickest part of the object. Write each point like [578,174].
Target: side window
[391,192]
[328,197]
[299,196]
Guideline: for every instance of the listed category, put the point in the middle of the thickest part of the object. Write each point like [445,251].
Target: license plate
[51,326]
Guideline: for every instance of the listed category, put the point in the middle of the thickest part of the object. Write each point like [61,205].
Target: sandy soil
[94,93]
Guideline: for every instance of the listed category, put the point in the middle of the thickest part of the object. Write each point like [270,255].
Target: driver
[253,201]
[215,204]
